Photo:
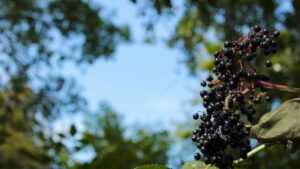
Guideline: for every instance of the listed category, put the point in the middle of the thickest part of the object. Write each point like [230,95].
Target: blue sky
[145,83]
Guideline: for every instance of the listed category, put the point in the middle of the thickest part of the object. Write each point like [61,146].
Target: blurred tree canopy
[205,24]
[37,38]
[115,149]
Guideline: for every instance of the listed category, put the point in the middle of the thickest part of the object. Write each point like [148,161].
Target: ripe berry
[267,52]
[227,44]
[221,87]
[239,96]
[217,61]
[228,106]
[224,78]
[207,98]
[265,45]
[268,63]
[257,28]
[195,116]
[242,73]
[228,65]
[210,84]
[273,43]
[207,160]
[239,125]
[197,156]
[209,78]
[250,57]
[209,108]
[243,155]
[203,93]
[276,33]
[194,138]
[265,31]
[232,84]
[268,98]
[239,53]
[235,77]
[205,117]
[242,45]
[217,54]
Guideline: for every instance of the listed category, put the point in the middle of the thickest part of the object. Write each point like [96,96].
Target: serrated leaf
[73,130]
[152,166]
[281,124]
[197,165]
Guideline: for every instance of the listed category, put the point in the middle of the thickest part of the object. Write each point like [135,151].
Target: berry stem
[226,101]
[245,91]
[278,87]
[247,126]
[254,151]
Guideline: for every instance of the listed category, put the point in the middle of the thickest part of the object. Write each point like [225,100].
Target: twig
[227,101]
[278,86]
[255,151]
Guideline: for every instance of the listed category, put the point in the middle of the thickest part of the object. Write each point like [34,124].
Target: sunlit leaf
[281,124]
[152,166]
[197,165]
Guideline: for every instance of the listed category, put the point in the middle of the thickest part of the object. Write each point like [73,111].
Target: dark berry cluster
[231,96]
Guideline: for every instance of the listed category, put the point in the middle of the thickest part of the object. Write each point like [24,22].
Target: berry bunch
[231,96]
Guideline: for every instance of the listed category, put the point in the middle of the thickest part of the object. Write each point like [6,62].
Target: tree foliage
[105,134]
[36,39]
[33,92]
[207,23]
[202,25]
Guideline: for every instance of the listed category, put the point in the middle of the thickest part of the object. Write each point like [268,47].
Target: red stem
[278,86]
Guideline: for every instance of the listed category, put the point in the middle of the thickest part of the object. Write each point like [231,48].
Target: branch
[278,87]
[254,151]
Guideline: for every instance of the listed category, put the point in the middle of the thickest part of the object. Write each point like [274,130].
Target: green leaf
[197,165]
[281,124]
[152,166]
[61,135]
[206,64]
[73,130]
[246,164]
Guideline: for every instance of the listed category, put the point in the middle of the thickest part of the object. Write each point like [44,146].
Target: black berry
[268,63]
